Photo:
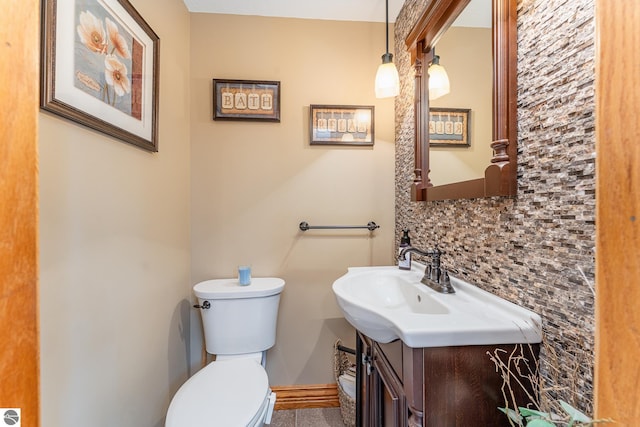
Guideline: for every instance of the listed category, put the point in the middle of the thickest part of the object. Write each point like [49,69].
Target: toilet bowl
[227,393]
[239,325]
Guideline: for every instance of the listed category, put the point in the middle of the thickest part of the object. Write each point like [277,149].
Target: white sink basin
[386,303]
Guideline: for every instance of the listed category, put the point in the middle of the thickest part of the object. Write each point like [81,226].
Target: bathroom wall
[529,249]
[252,183]
[115,256]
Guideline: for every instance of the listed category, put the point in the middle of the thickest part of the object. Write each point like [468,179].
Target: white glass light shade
[387,81]
[438,81]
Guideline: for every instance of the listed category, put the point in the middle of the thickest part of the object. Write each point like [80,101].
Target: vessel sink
[386,304]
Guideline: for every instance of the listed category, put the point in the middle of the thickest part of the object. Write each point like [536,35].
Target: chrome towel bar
[304,226]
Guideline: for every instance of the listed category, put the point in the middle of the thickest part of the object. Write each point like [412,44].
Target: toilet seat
[227,393]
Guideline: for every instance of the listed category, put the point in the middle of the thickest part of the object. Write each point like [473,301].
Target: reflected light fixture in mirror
[387,78]
[438,79]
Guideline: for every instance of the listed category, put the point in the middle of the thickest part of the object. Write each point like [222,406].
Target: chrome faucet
[435,276]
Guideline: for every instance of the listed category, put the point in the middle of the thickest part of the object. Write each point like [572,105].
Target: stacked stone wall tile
[537,248]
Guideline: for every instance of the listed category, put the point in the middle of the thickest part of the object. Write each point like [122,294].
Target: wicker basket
[347,405]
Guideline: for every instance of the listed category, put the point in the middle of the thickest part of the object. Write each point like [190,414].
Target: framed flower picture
[100,68]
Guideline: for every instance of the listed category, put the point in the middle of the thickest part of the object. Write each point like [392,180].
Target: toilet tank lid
[230,288]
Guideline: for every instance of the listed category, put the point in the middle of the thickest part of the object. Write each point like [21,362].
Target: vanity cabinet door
[462,388]
[365,405]
[390,402]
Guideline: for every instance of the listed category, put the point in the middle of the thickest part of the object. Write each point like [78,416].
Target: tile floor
[317,417]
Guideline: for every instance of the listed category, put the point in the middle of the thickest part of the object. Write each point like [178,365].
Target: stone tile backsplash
[531,249]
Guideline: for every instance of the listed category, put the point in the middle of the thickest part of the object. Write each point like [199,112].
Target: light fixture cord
[387,22]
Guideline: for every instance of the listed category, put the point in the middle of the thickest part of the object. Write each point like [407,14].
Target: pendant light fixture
[438,79]
[387,80]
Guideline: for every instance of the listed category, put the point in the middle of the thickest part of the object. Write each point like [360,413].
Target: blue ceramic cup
[244,275]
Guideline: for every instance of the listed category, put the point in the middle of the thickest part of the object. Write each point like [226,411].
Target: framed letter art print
[100,68]
[246,100]
[449,127]
[341,125]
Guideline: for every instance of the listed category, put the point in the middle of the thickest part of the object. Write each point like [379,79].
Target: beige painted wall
[466,54]
[253,183]
[114,234]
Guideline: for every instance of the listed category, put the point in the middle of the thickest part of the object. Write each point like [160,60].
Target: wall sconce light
[438,79]
[387,79]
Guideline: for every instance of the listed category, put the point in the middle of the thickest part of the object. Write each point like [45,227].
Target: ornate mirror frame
[500,176]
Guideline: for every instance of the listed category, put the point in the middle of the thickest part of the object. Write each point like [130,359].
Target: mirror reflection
[465,52]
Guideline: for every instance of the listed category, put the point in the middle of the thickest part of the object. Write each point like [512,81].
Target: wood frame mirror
[500,177]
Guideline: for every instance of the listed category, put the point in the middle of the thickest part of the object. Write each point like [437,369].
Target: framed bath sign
[254,100]
[100,68]
[449,127]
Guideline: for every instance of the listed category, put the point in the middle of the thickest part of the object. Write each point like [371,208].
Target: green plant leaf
[513,415]
[540,423]
[526,412]
[574,413]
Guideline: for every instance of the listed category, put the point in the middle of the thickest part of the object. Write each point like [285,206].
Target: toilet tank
[240,319]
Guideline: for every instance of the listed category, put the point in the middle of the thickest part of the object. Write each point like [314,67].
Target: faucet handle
[447,288]
[445,276]
[437,251]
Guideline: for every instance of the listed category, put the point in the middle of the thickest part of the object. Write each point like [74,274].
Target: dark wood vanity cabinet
[382,396]
[432,387]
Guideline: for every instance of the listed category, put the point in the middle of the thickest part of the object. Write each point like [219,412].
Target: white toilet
[239,325]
